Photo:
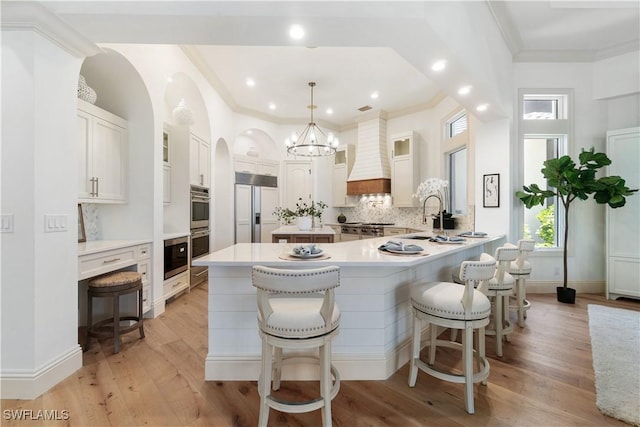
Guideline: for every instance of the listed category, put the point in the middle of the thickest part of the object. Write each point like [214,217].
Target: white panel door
[623,224]
[297,182]
[268,203]
[243,213]
[109,145]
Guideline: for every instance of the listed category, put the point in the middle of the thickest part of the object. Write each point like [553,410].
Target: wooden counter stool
[449,305]
[296,311]
[520,269]
[112,285]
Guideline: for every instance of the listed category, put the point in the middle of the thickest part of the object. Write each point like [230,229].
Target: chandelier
[309,142]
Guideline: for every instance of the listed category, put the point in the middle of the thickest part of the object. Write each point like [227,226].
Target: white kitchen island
[373,296]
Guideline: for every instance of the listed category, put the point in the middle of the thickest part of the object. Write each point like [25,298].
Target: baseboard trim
[549,287]
[29,384]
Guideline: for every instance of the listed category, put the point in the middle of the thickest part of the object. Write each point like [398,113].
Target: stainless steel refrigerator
[256,197]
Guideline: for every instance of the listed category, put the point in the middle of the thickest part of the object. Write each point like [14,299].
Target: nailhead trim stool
[113,285]
[520,269]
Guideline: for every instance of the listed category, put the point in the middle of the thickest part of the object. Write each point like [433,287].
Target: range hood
[371,173]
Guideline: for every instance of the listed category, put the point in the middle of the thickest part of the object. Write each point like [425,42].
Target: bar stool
[520,269]
[296,311]
[499,289]
[450,305]
[113,285]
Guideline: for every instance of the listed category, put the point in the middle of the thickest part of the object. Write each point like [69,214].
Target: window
[457,125]
[458,180]
[545,133]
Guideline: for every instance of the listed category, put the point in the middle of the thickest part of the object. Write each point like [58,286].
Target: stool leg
[140,314]
[415,350]
[498,320]
[467,367]
[432,344]
[482,351]
[505,314]
[267,361]
[325,383]
[277,367]
[116,323]
[520,295]
[89,321]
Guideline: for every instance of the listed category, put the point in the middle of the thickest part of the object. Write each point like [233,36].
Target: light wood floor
[545,378]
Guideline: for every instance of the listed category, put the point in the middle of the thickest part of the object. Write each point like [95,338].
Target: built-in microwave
[200,201]
[176,256]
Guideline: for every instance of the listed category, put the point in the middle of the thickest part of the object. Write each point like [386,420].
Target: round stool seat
[115,282]
[298,318]
[507,283]
[444,299]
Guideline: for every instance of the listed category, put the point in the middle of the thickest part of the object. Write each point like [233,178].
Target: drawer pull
[177,284]
[109,261]
[201,273]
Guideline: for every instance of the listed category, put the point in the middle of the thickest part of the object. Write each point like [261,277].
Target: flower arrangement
[315,209]
[432,187]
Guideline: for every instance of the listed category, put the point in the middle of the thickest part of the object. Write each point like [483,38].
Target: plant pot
[566,295]
[304,223]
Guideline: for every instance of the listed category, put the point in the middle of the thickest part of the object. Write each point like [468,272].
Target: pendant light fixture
[312,140]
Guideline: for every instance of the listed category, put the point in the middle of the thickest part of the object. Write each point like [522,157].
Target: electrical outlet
[556,271]
[55,223]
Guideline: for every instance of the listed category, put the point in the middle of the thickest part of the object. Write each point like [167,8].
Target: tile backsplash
[90,214]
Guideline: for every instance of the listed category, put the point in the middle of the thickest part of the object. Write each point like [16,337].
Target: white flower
[431,186]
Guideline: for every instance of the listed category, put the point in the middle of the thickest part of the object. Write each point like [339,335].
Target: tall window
[458,181]
[545,131]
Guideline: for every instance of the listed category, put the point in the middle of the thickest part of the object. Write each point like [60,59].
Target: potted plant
[570,181]
[304,214]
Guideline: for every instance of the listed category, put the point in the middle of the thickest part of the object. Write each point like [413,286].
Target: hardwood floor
[544,378]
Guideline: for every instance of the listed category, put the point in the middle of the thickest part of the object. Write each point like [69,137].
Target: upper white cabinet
[623,226]
[404,168]
[342,164]
[253,165]
[102,159]
[199,161]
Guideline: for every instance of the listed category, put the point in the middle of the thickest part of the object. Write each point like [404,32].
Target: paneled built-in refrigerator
[256,198]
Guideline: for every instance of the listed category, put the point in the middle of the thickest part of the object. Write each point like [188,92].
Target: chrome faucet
[424,212]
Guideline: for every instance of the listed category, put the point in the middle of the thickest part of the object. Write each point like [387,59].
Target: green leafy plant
[570,181]
[547,230]
[286,215]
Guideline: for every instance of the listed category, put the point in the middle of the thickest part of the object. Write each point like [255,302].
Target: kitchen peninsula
[373,297]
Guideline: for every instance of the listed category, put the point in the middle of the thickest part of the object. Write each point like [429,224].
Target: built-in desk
[104,256]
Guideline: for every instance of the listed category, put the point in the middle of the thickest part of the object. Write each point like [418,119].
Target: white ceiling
[355,46]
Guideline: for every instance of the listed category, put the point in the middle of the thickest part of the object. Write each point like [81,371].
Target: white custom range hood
[371,173]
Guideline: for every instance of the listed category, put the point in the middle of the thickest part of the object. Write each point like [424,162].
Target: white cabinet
[102,155]
[623,226]
[342,164]
[404,168]
[253,165]
[199,161]
[175,285]
[166,184]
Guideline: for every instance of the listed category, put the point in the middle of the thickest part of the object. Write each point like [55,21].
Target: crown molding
[509,31]
[31,16]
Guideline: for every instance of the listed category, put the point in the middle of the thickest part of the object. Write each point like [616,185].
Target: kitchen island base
[375,328]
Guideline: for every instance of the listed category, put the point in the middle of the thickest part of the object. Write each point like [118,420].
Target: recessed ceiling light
[250,82]
[375,95]
[249,132]
[272,106]
[439,65]
[329,110]
[464,90]
[169,79]
[482,107]
[296,32]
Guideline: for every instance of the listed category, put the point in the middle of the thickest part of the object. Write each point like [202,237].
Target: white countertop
[292,229]
[95,246]
[356,253]
[175,235]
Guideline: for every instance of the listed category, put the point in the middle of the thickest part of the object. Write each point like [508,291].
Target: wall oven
[199,207]
[176,256]
[199,247]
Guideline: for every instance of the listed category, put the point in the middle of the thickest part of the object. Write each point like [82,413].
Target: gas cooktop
[378,223]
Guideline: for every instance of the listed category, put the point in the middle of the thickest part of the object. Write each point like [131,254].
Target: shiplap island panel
[373,297]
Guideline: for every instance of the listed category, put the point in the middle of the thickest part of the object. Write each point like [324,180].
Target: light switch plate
[55,223]
[6,223]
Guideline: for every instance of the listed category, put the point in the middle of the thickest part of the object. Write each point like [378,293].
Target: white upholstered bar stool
[520,269]
[499,289]
[296,311]
[450,305]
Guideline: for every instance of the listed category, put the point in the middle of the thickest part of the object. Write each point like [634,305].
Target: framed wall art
[491,190]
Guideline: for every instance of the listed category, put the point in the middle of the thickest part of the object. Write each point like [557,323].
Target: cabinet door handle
[93,187]
[201,179]
[202,272]
[97,186]
[111,260]
[175,285]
